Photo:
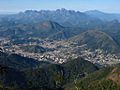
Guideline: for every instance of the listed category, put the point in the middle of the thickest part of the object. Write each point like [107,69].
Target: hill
[35,49]
[112,28]
[78,68]
[55,76]
[104,79]
[21,73]
[44,30]
[18,62]
[95,39]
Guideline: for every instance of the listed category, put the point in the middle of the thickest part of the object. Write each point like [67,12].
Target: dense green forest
[77,74]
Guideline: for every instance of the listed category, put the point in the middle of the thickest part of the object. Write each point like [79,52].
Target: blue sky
[80,5]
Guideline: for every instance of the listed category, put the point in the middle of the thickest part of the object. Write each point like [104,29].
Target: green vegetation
[98,80]
[77,74]
[95,39]
[18,62]
[35,49]
[48,76]
[55,76]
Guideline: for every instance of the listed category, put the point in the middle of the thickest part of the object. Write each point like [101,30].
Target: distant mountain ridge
[103,16]
[62,16]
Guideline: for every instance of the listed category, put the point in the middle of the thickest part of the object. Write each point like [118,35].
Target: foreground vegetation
[104,79]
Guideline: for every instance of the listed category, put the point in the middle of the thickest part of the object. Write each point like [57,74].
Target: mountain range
[108,34]
[62,16]
[103,16]
[63,35]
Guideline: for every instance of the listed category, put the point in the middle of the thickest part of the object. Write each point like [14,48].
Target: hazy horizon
[3,13]
[14,6]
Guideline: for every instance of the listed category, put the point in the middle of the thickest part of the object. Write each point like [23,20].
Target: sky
[12,6]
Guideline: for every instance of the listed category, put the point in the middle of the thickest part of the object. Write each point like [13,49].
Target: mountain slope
[44,30]
[54,76]
[99,80]
[22,74]
[115,75]
[78,68]
[11,78]
[18,62]
[112,28]
[95,39]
